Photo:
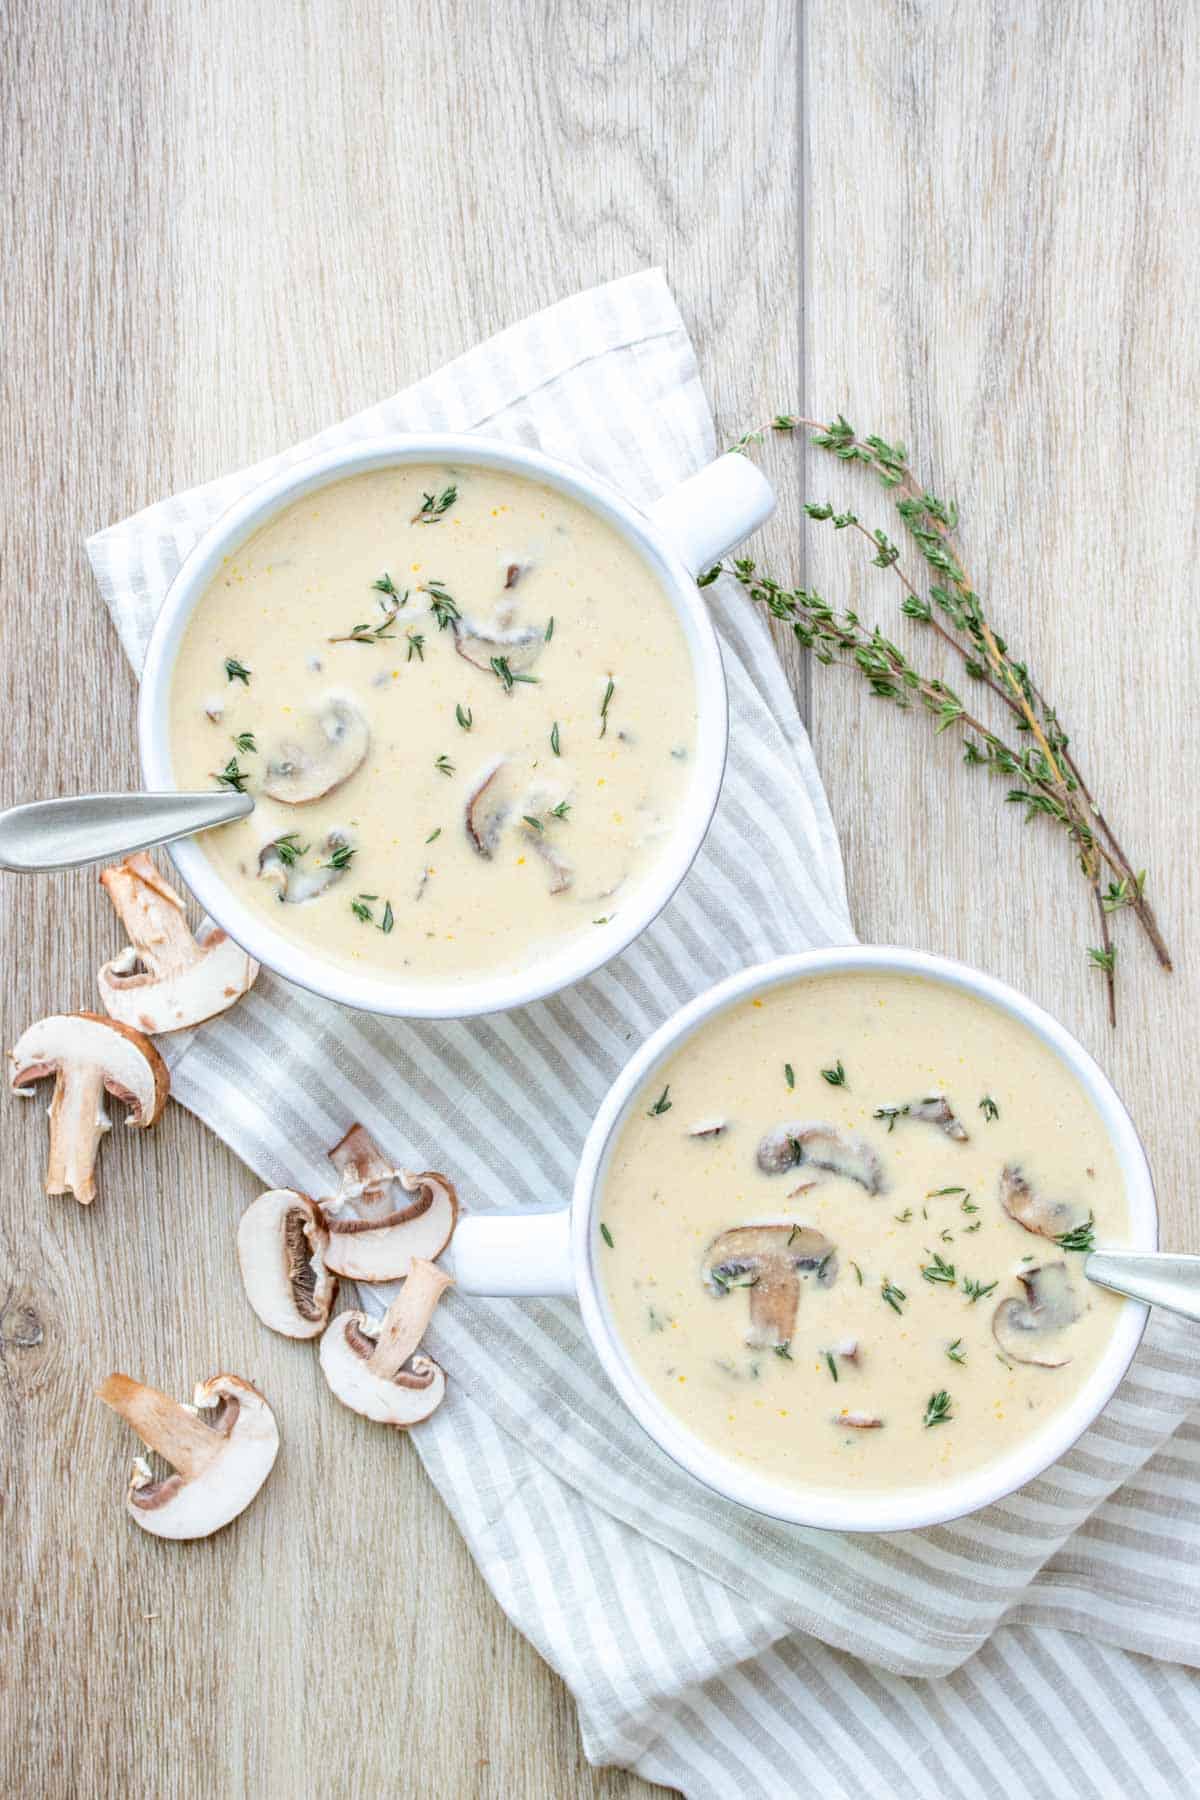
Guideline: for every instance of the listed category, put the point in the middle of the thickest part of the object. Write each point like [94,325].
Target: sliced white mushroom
[708,1128]
[1032,1210]
[296,879]
[218,1466]
[519,645]
[769,1261]
[281,1244]
[167,980]
[373,1369]
[935,1109]
[366,1174]
[859,1421]
[490,804]
[821,1147]
[325,751]
[383,1247]
[89,1056]
[1031,1330]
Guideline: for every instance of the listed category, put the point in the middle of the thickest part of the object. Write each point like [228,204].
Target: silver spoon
[88,828]
[1158,1277]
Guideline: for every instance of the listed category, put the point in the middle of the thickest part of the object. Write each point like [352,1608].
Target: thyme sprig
[434,506]
[1043,774]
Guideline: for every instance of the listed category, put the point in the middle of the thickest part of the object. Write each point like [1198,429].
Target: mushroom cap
[821,1146]
[130,1066]
[1031,1330]
[521,645]
[1031,1209]
[383,1248]
[329,746]
[281,1240]
[402,1399]
[183,980]
[226,1474]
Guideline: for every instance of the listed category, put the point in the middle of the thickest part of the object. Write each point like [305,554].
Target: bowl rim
[906,1509]
[464,997]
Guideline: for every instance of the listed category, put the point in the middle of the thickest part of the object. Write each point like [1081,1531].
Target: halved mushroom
[372,1368]
[281,862]
[1030,1330]
[519,645]
[89,1056]
[167,979]
[384,1246]
[821,1147]
[281,1243]
[219,1466]
[1033,1211]
[489,805]
[935,1109]
[769,1261]
[859,1421]
[325,752]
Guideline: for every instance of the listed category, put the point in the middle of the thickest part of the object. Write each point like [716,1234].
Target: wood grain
[224,227]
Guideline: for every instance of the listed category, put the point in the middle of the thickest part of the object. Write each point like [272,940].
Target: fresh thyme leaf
[1082,1237]
[904,1217]
[836,1077]
[937,1408]
[435,833]
[232,777]
[549,632]
[989,1109]
[662,1105]
[966,1204]
[501,669]
[237,671]
[938,1270]
[977,1290]
[830,1363]
[784,1350]
[893,1296]
[244,743]
[940,1193]
[890,1113]
[388,919]
[416,646]
[561,811]
[609,691]
[789,1075]
[441,605]
[288,850]
[432,507]
[534,824]
[341,856]
[955,1351]
[975,1226]
[1104,959]
[603,921]
[443,765]
[709,576]
[361,910]
[385,585]
[606,1234]
[555,741]
[858,1273]
[464,716]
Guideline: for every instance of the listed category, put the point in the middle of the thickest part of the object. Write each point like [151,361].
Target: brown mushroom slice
[489,805]
[1031,1330]
[859,1421]
[519,645]
[296,881]
[769,1261]
[89,1056]
[281,1243]
[167,979]
[935,1109]
[373,1369]
[384,1247]
[218,1467]
[821,1147]
[1022,1202]
[324,753]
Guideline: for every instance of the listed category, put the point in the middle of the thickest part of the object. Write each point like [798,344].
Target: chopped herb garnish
[946,1237]
[443,765]
[893,1296]
[989,1109]
[416,646]
[663,1104]
[784,1350]
[232,777]
[937,1408]
[977,1290]
[955,1351]
[501,670]
[858,1273]
[549,629]
[938,1270]
[443,608]
[1082,1237]
[555,741]
[830,1363]
[904,1217]
[435,833]
[388,919]
[385,585]
[561,811]
[967,1205]
[534,824]
[789,1075]
[836,1077]
[603,921]
[609,691]
[890,1113]
[464,717]
[368,634]
[245,744]
[940,1193]
[655,1319]
[360,908]
[432,507]
[288,850]
[709,576]
[237,671]
[341,856]
[974,1227]
[606,1234]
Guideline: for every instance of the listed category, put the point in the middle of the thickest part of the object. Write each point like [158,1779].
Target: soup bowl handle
[713,511]
[523,1255]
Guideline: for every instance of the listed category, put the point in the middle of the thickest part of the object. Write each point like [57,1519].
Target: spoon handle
[1160,1279]
[87,828]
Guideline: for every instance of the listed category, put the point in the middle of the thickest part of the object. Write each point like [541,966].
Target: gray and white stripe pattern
[1036,1649]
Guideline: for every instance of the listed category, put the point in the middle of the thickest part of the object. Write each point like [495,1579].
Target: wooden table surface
[969,226]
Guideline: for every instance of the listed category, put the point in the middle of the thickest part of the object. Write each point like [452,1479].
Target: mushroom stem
[407,1318]
[78,1121]
[171,1430]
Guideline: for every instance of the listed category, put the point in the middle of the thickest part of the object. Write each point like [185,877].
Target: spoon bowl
[89,828]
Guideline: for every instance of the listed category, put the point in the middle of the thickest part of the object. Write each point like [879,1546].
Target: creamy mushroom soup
[842,1233]
[465,709]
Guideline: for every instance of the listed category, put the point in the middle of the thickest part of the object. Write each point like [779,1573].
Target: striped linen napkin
[1044,1647]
